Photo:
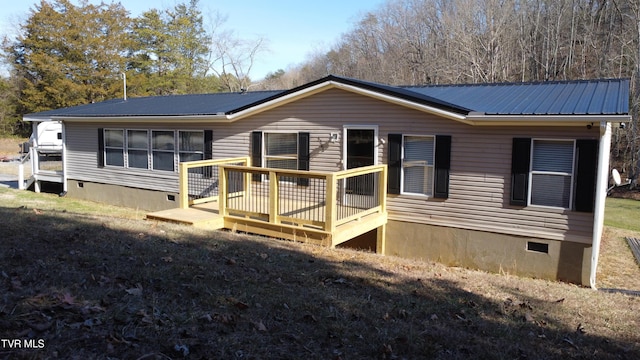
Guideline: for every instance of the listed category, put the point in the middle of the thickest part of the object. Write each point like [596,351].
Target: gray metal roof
[171,105]
[585,97]
[582,97]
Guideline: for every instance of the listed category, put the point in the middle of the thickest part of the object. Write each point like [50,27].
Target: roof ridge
[204,94]
[550,82]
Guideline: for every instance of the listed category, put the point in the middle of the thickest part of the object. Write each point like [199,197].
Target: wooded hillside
[68,55]
[413,42]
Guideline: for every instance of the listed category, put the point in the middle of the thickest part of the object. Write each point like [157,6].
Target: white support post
[21,176]
[602,184]
[64,159]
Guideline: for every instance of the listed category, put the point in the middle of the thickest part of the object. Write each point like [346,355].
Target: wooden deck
[320,212]
[298,228]
[205,215]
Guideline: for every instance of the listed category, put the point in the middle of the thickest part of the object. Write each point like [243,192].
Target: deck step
[634,244]
[190,216]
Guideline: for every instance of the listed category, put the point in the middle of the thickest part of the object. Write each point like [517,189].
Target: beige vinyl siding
[480,161]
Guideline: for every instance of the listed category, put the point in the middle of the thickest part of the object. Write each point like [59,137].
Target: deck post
[183,174]
[331,215]
[273,197]
[381,238]
[247,181]
[382,189]
[222,190]
[35,161]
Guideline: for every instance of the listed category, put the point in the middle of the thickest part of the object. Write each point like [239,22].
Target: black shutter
[442,166]
[208,153]
[100,147]
[256,152]
[394,163]
[520,163]
[208,144]
[303,156]
[586,173]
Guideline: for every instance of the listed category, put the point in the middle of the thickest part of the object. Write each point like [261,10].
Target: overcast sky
[294,29]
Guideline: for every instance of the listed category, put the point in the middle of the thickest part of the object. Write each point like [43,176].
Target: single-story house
[501,177]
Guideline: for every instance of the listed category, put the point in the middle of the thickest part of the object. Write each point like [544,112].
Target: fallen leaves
[126,293]
[240,305]
[135,291]
[259,325]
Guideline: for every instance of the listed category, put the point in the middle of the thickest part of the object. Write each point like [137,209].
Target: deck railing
[315,200]
[44,165]
[199,182]
[321,207]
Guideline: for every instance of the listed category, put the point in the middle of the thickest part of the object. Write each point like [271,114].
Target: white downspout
[602,183]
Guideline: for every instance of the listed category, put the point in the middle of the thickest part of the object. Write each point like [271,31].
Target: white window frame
[173,151]
[127,148]
[266,157]
[123,148]
[376,141]
[403,162]
[150,148]
[571,174]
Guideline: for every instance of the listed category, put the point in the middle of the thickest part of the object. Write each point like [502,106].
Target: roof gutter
[548,120]
[222,118]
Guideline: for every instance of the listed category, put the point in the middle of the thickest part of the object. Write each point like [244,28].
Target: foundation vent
[538,247]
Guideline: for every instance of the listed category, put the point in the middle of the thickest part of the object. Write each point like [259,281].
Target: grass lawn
[618,269]
[623,214]
[91,281]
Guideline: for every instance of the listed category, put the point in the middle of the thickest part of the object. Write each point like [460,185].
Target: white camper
[47,137]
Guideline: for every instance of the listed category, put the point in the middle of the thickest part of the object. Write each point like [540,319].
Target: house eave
[143,119]
[543,120]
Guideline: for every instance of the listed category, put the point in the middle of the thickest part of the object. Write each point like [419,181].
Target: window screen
[417,164]
[191,145]
[138,149]
[114,147]
[281,150]
[552,173]
[163,150]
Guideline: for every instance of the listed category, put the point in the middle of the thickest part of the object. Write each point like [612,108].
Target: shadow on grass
[96,288]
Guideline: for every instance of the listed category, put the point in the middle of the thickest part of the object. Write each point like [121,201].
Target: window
[281,150]
[152,149]
[556,173]
[418,165]
[163,147]
[191,145]
[138,149]
[114,147]
[552,173]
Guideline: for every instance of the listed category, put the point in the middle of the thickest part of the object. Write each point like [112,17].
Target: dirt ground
[626,193]
[76,283]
